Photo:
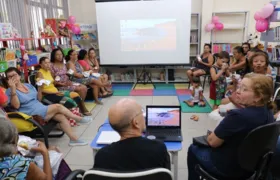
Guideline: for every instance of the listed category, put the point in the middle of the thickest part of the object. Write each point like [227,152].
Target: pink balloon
[71,20]
[267,10]
[209,27]
[76,29]
[22,47]
[258,16]
[219,26]
[262,25]
[215,19]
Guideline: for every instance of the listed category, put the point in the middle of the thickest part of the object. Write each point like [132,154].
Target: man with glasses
[133,152]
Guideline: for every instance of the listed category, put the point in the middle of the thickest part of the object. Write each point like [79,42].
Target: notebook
[108,137]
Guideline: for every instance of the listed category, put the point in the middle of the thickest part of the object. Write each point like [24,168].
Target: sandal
[106,95]
[194,117]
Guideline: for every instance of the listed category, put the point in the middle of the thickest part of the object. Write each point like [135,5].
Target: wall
[84,11]
[229,5]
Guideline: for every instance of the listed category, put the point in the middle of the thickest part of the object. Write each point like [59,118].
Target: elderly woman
[221,157]
[259,63]
[13,166]
[25,98]
[79,77]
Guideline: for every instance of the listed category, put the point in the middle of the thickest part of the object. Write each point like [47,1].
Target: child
[197,94]
[218,72]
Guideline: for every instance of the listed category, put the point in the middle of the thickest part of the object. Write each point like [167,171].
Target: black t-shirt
[233,129]
[133,154]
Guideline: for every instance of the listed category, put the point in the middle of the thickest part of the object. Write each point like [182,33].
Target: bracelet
[14,94]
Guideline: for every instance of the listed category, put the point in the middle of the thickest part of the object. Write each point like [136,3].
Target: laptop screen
[163,116]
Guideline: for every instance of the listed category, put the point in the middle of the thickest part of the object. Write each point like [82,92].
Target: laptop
[163,123]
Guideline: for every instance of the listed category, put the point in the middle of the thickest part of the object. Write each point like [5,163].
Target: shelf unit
[235,30]
[179,71]
[30,44]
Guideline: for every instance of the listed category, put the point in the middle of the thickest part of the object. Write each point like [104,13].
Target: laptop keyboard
[169,132]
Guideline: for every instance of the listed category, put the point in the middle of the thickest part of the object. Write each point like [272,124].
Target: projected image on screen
[148,34]
[163,117]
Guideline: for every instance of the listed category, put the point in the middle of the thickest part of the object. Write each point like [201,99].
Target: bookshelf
[234,33]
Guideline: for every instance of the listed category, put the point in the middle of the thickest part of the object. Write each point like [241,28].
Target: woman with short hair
[15,166]
[25,98]
[221,157]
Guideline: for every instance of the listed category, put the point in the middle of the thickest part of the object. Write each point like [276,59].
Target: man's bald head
[122,113]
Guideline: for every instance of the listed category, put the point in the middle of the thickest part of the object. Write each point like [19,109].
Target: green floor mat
[186,109]
[121,92]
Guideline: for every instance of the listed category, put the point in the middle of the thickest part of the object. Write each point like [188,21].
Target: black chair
[74,175]
[255,153]
[152,174]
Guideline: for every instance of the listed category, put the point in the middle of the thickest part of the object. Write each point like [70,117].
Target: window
[42,9]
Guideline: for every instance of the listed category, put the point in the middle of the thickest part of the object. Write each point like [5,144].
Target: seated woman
[26,99]
[221,157]
[84,62]
[239,66]
[51,93]
[59,72]
[78,76]
[13,166]
[203,65]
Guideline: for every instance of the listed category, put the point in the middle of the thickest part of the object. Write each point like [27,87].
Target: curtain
[14,11]
[29,15]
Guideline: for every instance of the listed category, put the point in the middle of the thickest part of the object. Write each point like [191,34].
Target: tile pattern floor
[82,157]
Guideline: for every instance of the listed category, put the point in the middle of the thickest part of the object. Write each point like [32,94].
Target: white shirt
[196,93]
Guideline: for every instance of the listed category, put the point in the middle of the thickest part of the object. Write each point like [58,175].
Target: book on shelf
[274,53]
[222,47]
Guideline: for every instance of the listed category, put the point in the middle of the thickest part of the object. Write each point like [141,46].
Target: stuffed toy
[49,31]
[253,39]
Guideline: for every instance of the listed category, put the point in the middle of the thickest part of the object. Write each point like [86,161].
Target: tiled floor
[82,157]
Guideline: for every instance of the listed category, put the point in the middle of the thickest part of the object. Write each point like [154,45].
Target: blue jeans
[201,156]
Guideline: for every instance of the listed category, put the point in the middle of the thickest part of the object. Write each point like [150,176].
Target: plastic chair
[255,153]
[40,131]
[152,174]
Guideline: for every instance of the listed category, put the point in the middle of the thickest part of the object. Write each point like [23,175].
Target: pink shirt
[85,65]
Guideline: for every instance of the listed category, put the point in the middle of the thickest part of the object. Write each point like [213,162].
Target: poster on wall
[88,32]
[6,31]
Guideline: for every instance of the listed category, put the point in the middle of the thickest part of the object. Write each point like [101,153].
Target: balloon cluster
[215,24]
[262,16]
[70,24]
